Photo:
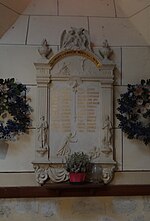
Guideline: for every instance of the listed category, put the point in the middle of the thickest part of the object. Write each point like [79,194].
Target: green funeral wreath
[134,108]
[14,109]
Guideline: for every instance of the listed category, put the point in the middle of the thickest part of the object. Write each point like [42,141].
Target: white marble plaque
[88,102]
[75,118]
[60,109]
[60,119]
[76,104]
[88,116]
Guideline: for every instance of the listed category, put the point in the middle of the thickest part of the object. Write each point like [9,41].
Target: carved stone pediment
[75,39]
[74,108]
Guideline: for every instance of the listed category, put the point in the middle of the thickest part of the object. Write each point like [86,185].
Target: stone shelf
[70,190]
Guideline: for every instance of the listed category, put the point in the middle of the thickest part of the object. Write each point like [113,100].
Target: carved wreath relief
[74,116]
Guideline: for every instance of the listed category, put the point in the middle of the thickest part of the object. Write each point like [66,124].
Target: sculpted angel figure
[75,39]
[65,149]
[67,39]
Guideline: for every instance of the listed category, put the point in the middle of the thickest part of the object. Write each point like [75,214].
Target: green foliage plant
[134,111]
[78,162]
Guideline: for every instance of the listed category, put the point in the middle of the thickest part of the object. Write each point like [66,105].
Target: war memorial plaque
[75,107]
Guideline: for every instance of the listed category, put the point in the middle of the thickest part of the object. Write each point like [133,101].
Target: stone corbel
[40,174]
[108,173]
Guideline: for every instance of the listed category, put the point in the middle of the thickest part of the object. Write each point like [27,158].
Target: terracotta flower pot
[77,177]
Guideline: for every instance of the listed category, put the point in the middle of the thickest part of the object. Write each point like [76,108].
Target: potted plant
[77,164]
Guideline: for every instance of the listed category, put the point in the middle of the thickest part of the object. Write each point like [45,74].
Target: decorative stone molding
[53,173]
[40,174]
[106,52]
[74,99]
[67,53]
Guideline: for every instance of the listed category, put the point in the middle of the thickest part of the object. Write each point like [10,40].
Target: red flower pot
[77,177]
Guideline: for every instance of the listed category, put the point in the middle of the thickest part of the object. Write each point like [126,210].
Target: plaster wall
[125,24]
[76,209]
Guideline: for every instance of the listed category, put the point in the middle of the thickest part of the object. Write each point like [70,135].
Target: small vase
[96,173]
[77,178]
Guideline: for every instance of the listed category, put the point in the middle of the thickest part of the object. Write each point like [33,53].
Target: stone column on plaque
[42,142]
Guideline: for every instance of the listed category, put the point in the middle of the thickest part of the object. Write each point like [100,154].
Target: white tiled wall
[18,61]
[18,155]
[135,64]
[124,23]
[128,8]
[17,33]
[44,7]
[135,155]
[87,8]
[50,27]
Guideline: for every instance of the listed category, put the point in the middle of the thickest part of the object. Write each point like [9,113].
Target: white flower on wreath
[139,101]
[147,106]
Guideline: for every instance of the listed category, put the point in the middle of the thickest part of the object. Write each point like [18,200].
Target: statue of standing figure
[43,133]
[107,132]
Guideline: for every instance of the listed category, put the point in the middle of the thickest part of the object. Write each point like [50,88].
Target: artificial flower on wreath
[14,109]
[134,111]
